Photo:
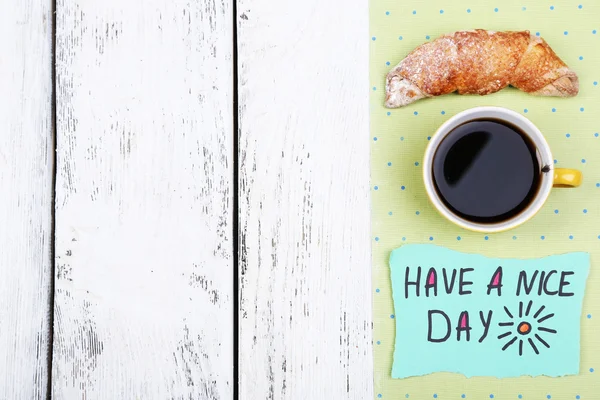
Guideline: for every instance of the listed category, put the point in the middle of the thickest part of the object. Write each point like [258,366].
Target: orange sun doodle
[528,329]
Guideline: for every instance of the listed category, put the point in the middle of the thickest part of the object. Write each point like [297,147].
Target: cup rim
[543,151]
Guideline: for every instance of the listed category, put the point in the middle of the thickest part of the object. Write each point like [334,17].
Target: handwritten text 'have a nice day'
[456,282]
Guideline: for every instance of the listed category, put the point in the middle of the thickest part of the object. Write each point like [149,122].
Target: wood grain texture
[305,317]
[144,266]
[26,170]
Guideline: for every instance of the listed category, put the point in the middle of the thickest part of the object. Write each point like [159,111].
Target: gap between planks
[52,208]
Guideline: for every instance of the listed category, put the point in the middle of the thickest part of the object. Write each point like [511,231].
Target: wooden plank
[144,273]
[305,318]
[26,186]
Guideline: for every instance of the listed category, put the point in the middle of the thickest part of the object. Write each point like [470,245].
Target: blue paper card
[480,316]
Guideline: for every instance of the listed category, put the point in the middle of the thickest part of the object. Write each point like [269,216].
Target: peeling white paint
[144,246]
[26,165]
[305,317]
[144,202]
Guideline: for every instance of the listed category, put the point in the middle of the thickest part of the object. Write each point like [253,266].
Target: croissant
[479,62]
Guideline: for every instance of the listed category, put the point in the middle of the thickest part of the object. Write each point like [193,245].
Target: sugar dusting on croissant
[480,62]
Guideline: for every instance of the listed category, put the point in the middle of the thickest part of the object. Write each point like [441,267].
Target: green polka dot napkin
[570,220]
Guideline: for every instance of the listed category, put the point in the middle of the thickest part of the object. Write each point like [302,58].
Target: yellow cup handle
[567,178]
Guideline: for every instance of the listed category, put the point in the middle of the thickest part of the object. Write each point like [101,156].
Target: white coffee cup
[556,177]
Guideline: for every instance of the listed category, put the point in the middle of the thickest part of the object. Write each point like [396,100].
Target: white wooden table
[184,199]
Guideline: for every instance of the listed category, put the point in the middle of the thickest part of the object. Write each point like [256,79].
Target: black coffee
[486,171]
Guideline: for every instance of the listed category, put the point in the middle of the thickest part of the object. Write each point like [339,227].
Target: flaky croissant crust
[480,62]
